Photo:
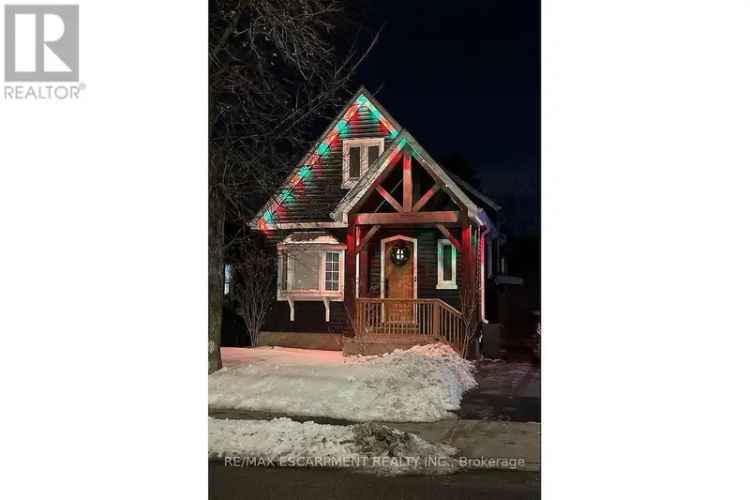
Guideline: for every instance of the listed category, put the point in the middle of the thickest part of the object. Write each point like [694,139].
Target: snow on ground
[368,447]
[238,356]
[421,384]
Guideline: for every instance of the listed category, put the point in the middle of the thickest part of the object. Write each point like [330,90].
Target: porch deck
[409,318]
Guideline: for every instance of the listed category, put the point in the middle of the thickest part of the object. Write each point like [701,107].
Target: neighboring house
[375,238]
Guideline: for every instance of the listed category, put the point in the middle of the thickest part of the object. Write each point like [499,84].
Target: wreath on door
[400,254]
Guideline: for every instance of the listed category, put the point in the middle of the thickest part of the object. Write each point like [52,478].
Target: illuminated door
[399,279]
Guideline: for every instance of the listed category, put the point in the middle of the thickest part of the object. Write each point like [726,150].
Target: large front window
[305,270]
[311,272]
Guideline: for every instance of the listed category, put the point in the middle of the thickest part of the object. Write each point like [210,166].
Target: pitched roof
[312,196]
[313,188]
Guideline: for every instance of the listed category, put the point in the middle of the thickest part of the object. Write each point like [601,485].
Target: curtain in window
[306,267]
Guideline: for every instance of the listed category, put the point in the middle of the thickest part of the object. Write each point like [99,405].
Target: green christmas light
[286,195]
[305,172]
[342,127]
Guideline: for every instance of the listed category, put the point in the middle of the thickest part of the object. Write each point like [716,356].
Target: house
[375,240]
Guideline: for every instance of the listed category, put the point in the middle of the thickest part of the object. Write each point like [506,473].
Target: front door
[400,279]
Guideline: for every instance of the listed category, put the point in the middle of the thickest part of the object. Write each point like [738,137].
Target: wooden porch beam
[426,197]
[407,182]
[446,217]
[392,162]
[444,230]
[363,243]
[390,199]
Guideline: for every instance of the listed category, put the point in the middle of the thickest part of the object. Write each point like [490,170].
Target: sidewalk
[477,439]
[474,439]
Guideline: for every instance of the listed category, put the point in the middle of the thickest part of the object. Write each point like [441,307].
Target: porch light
[400,255]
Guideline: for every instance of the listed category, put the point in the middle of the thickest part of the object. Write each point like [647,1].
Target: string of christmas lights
[324,148]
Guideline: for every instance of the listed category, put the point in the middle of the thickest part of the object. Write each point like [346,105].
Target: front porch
[412,321]
[414,254]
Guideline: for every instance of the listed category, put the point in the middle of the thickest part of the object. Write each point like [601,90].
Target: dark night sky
[464,77]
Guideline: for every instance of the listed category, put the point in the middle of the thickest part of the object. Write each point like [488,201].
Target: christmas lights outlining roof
[362,99]
[266,218]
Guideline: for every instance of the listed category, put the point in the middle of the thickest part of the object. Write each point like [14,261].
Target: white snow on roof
[422,384]
[311,237]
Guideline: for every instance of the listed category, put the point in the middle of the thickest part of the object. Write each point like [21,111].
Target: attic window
[359,155]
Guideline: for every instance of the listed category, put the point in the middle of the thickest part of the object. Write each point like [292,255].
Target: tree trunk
[216,215]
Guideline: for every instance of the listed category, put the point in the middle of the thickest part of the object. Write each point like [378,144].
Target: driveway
[508,391]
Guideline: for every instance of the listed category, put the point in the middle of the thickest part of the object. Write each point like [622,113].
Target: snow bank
[421,384]
[368,447]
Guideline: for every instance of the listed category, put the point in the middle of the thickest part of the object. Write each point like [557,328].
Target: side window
[446,260]
[227,278]
[283,271]
[332,271]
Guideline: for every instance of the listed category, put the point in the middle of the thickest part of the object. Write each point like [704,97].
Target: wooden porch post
[469,276]
[364,288]
[466,252]
[350,283]
[468,257]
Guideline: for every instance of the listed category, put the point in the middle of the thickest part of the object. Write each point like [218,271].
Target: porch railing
[428,317]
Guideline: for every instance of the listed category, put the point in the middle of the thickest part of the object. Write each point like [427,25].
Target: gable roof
[374,174]
[312,196]
[313,211]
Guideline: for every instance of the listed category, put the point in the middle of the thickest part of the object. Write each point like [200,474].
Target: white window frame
[228,275]
[319,294]
[347,181]
[441,283]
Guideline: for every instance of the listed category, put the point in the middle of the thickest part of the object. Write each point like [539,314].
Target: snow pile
[368,447]
[421,384]
[442,376]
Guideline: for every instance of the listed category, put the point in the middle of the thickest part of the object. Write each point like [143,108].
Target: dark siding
[323,192]
[308,317]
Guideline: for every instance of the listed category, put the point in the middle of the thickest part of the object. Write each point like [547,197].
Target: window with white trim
[446,257]
[310,272]
[359,155]
[332,271]
[227,278]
